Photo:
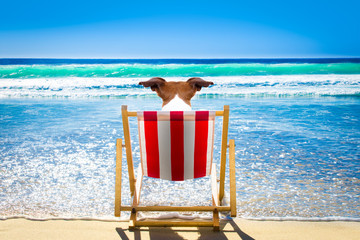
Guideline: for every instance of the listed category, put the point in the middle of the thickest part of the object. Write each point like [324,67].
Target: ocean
[295,123]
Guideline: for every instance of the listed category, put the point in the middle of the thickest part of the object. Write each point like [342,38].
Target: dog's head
[176,95]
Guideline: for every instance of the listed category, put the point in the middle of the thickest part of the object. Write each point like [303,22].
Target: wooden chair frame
[135,183]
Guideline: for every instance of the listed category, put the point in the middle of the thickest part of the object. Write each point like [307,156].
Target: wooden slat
[129,159]
[219,113]
[174,223]
[232,177]
[176,208]
[132,114]
[214,187]
[223,151]
[118,177]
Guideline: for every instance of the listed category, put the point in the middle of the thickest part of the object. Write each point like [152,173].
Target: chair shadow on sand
[228,230]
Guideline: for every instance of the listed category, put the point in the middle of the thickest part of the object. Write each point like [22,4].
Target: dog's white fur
[176,104]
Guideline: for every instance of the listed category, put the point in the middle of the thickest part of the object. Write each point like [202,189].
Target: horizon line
[181,58]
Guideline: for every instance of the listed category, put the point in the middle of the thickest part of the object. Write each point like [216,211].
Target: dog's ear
[198,83]
[153,83]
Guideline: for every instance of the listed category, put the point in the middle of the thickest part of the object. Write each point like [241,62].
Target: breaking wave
[238,86]
[139,70]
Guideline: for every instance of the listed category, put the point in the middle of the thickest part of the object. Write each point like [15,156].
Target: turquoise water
[297,139]
[174,70]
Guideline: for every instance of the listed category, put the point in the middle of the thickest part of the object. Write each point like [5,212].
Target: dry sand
[238,229]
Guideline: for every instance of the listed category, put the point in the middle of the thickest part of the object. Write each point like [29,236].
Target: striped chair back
[176,145]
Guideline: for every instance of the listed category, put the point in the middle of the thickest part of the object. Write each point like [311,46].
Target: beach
[295,125]
[238,229]
[281,159]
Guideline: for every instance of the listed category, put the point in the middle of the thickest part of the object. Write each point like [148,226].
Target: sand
[237,229]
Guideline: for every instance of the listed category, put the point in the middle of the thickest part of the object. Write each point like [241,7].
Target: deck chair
[176,146]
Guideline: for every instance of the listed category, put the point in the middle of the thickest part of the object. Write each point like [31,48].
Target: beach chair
[176,146]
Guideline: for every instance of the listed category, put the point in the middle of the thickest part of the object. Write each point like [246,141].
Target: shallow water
[295,123]
[296,157]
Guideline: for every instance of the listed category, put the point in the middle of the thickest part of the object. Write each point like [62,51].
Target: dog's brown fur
[168,90]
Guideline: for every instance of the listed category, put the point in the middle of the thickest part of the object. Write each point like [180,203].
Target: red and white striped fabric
[176,145]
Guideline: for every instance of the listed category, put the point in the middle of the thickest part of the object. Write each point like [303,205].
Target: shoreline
[223,218]
[21,228]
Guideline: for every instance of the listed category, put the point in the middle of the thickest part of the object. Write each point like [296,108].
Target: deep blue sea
[296,123]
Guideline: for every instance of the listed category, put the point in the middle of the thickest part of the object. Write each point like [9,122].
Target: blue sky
[179,29]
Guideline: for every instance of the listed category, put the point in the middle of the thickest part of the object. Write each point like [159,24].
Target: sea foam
[239,86]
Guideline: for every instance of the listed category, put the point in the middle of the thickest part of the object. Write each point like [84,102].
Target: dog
[176,96]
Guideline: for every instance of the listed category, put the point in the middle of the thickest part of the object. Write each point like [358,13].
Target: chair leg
[232,177]
[132,223]
[214,186]
[136,198]
[118,177]
[216,221]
